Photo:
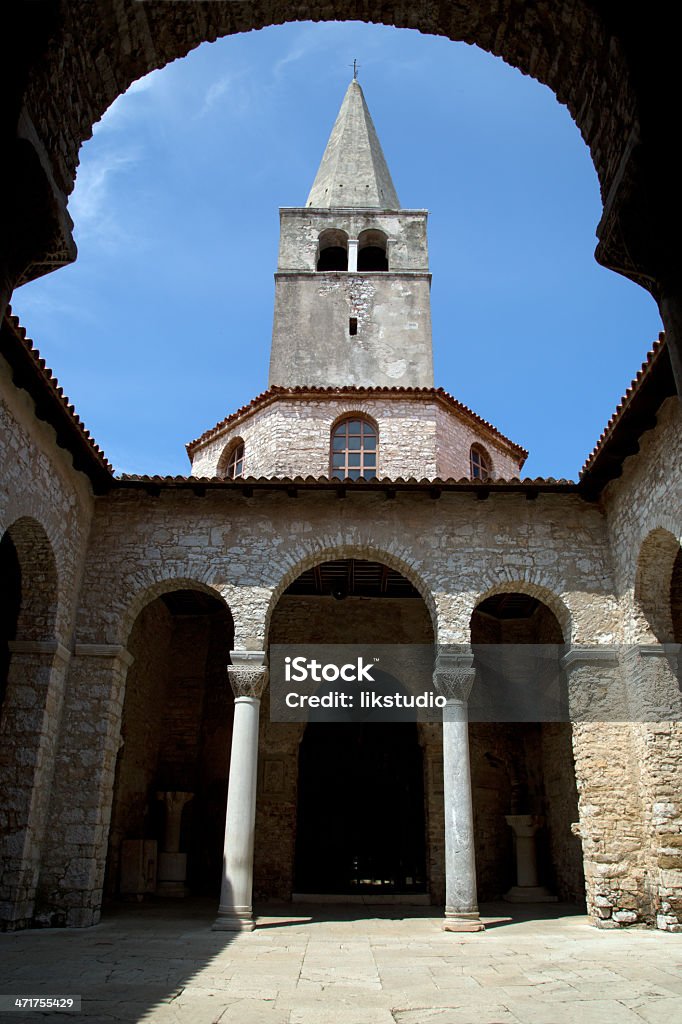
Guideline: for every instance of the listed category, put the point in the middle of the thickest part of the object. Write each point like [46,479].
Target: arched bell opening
[332,250]
[372,250]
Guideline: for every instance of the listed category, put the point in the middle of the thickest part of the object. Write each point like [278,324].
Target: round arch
[654,573]
[566,47]
[151,591]
[356,412]
[556,604]
[39,602]
[371,552]
[228,451]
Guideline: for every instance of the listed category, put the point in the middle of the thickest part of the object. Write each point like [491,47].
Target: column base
[529,894]
[234,921]
[464,922]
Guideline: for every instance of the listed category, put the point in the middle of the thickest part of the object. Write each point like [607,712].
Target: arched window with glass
[354,446]
[479,462]
[232,462]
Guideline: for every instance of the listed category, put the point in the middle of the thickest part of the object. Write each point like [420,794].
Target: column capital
[454,674]
[248,675]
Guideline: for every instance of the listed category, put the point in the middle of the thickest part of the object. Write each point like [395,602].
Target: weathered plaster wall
[311,340]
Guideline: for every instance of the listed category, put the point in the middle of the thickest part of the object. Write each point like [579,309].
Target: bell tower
[352,288]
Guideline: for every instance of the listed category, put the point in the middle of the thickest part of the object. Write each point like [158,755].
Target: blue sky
[162,326]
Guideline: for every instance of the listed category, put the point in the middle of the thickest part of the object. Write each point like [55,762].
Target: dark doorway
[360,822]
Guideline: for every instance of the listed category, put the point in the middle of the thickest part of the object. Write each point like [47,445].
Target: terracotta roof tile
[652,358]
[55,391]
[314,481]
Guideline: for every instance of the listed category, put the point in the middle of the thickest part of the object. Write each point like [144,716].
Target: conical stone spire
[353,172]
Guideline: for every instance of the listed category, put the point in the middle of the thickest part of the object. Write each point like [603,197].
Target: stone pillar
[173,864]
[248,678]
[609,801]
[28,741]
[72,877]
[527,888]
[653,680]
[352,255]
[453,679]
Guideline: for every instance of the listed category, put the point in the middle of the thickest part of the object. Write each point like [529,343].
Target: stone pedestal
[248,678]
[172,875]
[527,888]
[453,679]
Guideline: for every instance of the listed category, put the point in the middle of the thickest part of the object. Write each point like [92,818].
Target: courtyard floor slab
[316,964]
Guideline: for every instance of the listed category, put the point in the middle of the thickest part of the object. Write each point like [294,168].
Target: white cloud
[241,95]
[120,111]
[213,94]
[91,202]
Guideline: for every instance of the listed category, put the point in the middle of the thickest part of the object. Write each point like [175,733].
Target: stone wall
[644,530]
[45,514]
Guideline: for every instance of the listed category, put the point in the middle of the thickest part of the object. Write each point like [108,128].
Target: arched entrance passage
[523,768]
[170,791]
[349,807]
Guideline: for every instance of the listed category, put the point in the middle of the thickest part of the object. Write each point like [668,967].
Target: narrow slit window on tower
[353,326]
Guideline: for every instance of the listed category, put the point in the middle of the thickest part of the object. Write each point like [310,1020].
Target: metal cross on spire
[355,67]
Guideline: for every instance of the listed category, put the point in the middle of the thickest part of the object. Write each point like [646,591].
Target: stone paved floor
[332,965]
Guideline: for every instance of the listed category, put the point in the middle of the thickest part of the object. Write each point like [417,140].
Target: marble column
[248,678]
[453,679]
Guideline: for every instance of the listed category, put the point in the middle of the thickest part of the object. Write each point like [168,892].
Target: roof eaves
[30,372]
[655,374]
